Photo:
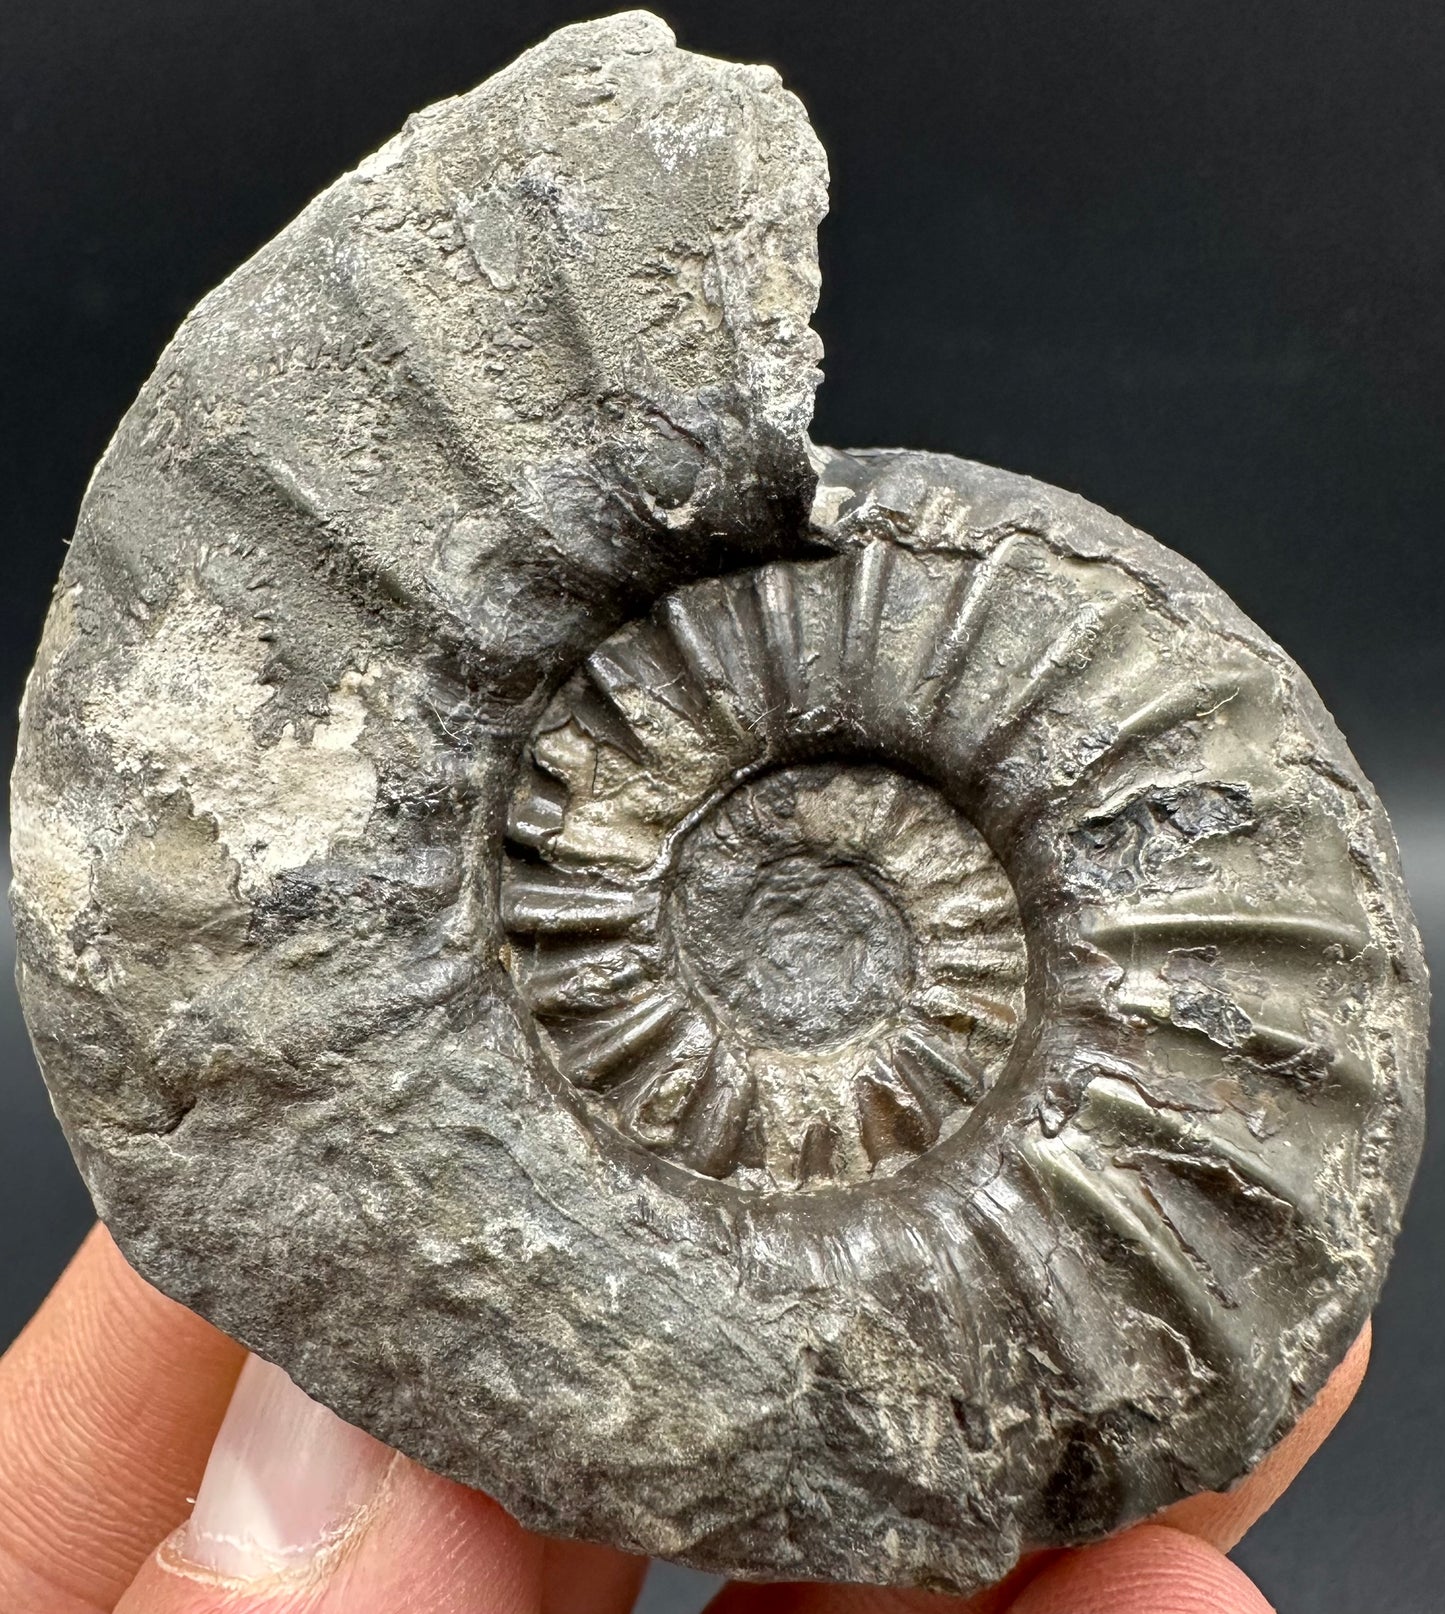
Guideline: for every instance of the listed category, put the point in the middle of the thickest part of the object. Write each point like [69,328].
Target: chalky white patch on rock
[51,848]
[183,719]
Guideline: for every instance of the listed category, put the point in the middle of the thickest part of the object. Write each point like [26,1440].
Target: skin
[111,1397]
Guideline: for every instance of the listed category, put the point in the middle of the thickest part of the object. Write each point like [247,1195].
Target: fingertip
[108,1401]
[584,1578]
[298,1510]
[1151,1569]
[286,1478]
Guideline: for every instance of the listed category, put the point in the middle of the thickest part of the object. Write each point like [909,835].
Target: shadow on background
[1188,261]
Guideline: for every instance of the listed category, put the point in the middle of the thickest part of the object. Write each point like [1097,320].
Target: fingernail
[286,1478]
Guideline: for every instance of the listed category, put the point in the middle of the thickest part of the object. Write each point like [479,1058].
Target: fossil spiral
[817,1014]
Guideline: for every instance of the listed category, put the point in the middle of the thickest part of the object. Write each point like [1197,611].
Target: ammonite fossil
[835,1015]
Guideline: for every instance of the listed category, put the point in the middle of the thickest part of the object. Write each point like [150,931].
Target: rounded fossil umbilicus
[819,1015]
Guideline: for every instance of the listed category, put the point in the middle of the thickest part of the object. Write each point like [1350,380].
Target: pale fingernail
[286,1478]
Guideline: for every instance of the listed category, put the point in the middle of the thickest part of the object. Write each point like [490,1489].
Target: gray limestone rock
[818,1015]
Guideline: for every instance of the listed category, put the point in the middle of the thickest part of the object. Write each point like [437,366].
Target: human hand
[110,1407]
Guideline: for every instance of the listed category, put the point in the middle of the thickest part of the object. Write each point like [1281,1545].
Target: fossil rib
[821,1015]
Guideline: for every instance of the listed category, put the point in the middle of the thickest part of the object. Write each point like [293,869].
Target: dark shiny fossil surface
[821,1015]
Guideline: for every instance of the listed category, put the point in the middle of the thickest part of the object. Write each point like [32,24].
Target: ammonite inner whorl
[772,969]
[820,1015]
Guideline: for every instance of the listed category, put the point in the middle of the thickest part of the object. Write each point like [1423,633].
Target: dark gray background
[1188,259]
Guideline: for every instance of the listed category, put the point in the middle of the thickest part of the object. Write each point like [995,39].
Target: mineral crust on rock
[817,1015]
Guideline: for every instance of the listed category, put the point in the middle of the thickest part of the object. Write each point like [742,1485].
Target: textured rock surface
[818,1015]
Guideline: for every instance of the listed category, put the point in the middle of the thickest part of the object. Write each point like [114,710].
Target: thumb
[1150,1569]
[299,1513]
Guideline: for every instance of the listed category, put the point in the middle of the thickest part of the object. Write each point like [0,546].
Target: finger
[299,1513]
[580,1578]
[1150,1569]
[109,1401]
[1222,1519]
